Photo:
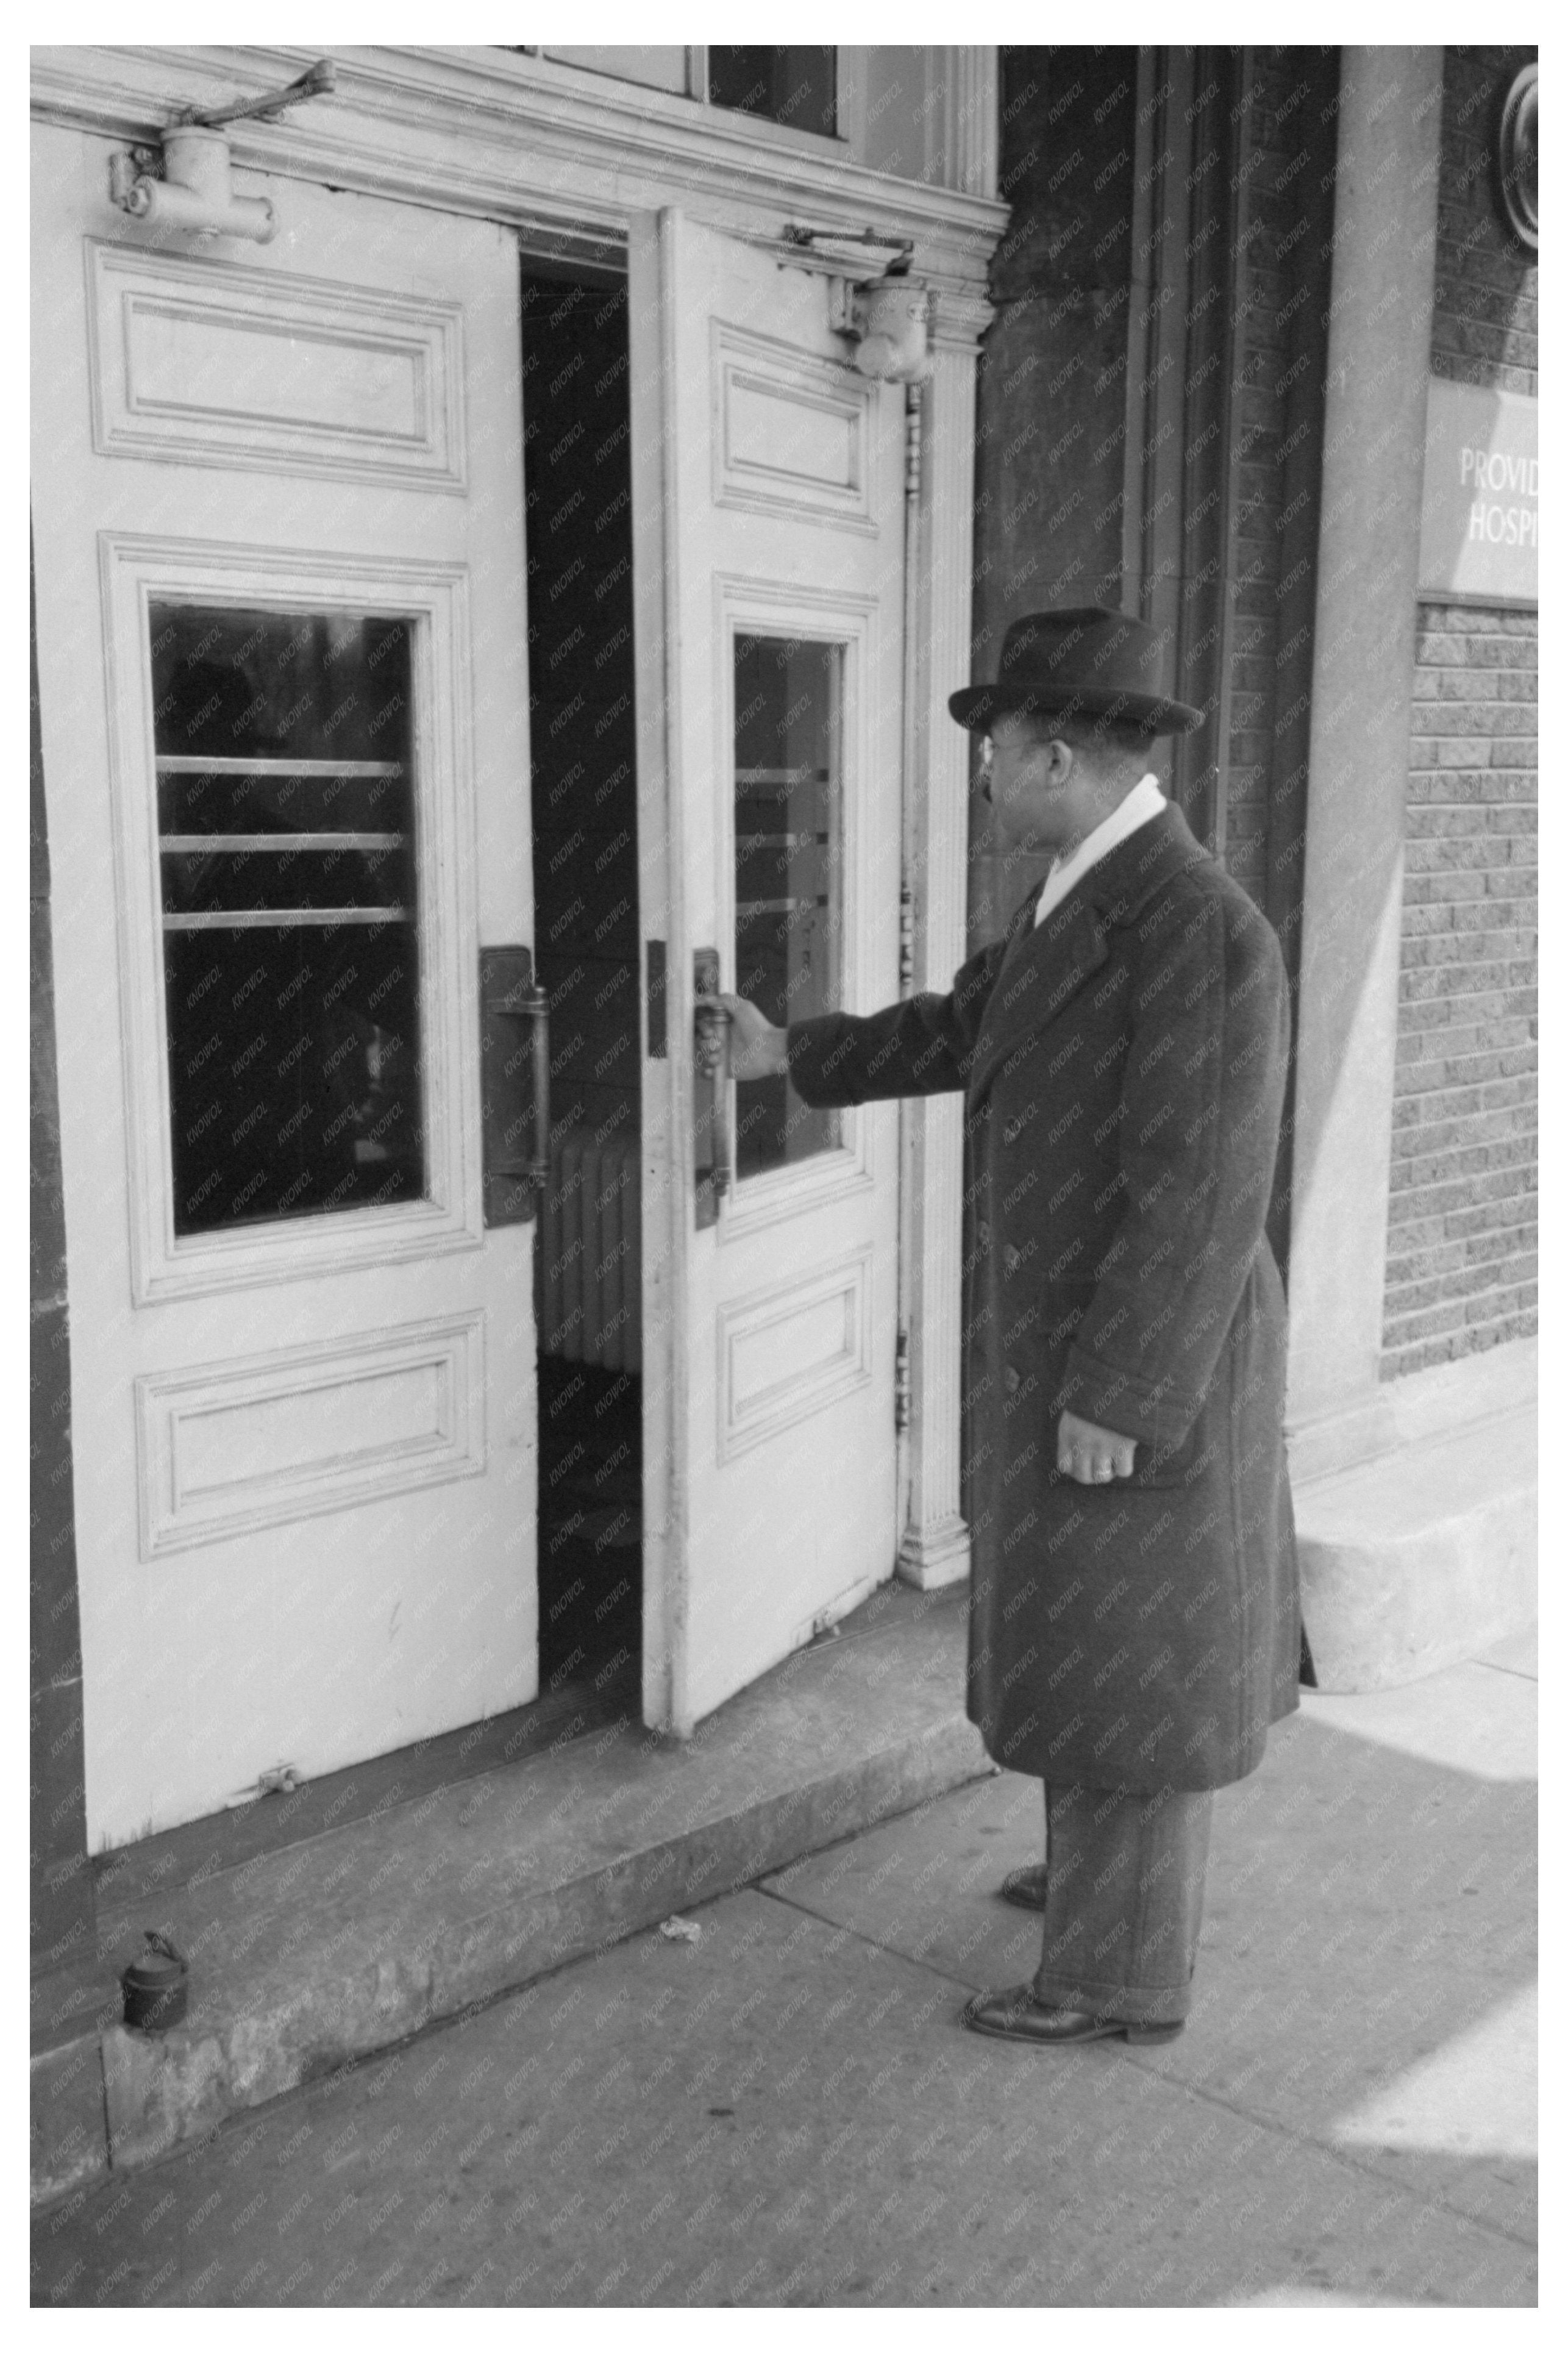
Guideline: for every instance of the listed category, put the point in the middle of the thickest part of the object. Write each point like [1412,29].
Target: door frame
[570,163]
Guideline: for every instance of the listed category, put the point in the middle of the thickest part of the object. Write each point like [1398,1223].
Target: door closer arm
[872,302]
[184,183]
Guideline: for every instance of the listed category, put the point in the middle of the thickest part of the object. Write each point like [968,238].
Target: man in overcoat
[1134,1622]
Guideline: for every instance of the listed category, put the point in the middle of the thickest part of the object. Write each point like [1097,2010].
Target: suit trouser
[1124,1900]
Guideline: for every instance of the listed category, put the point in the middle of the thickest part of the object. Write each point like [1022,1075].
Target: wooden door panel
[302,1402]
[768,520]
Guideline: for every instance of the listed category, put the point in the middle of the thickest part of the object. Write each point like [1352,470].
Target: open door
[278,507]
[768,534]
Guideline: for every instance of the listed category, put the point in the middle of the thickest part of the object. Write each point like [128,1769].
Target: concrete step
[305,1959]
[1424,1555]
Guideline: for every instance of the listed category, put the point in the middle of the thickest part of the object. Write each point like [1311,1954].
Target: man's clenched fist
[1092,1455]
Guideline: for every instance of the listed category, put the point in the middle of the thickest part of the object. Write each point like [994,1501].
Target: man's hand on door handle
[1085,1450]
[758,1047]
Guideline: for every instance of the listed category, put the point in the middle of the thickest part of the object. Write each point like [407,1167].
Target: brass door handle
[514,1014]
[711,1068]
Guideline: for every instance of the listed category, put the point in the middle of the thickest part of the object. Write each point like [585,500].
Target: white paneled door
[278,511]
[768,527]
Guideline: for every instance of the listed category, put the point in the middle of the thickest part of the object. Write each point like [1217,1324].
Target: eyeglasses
[990,749]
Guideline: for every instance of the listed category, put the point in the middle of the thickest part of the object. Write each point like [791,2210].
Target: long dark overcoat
[1124,1069]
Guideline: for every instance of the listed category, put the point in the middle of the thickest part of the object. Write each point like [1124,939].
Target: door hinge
[906,939]
[902,1381]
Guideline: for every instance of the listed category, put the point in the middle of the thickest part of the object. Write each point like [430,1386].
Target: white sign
[1479,528]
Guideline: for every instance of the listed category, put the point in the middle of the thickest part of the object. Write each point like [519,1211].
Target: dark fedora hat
[1079,661]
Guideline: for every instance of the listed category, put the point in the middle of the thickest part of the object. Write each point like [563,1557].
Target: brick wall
[1266,211]
[1462,1210]
[1484,323]
[1461,1234]
[1283,237]
[1052,398]
[1052,390]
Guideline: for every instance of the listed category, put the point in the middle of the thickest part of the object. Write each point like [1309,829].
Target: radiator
[589,1252]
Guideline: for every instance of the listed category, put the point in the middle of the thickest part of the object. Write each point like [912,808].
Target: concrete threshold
[320,1954]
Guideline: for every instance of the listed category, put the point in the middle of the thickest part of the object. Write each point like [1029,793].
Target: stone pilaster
[1384,235]
[934,1544]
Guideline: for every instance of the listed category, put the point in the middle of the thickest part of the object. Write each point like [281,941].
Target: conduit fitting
[889,327]
[195,191]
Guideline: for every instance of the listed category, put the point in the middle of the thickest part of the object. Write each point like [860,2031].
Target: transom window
[794,86]
[782,85]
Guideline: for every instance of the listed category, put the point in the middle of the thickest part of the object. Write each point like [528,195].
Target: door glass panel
[291,936]
[788,865]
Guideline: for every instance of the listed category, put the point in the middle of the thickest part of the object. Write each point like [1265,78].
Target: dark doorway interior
[590,1523]
[577,469]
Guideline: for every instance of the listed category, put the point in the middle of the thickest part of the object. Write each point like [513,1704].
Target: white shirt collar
[1142,806]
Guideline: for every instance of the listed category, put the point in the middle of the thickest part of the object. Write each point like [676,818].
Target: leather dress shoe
[1026,1887]
[1016,2016]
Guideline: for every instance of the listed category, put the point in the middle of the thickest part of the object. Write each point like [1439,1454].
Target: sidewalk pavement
[784,2110]
[324,1935]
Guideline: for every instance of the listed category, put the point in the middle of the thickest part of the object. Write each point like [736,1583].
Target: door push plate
[709,1089]
[514,1080]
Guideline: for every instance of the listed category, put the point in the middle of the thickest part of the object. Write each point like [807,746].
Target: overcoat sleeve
[1199,1114]
[921,1046]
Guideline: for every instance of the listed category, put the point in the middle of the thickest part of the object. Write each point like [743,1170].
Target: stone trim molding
[564,158]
